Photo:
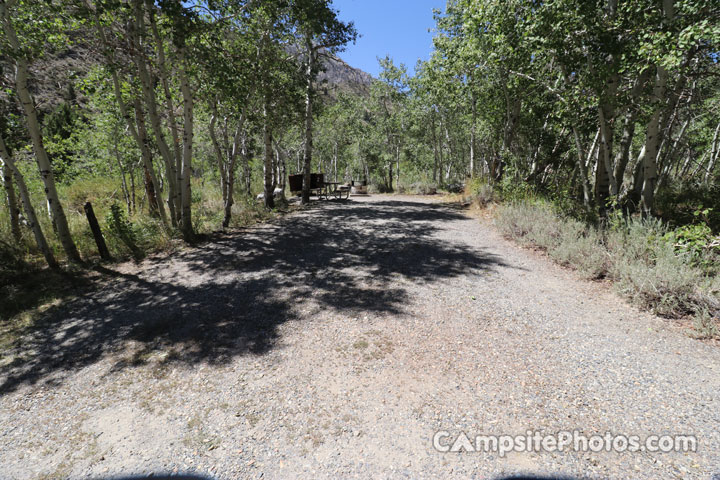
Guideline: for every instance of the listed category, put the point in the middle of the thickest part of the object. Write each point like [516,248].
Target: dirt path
[334,344]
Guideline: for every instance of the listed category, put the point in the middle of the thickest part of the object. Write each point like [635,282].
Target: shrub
[679,203]
[640,256]
[122,229]
[531,223]
[664,283]
[707,326]
[545,228]
[479,192]
[11,259]
[150,233]
[379,188]
[697,243]
[513,222]
[455,187]
[647,269]
[423,188]
[484,195]
[581,247]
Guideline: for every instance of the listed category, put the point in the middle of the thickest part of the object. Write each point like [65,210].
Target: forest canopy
[171,116]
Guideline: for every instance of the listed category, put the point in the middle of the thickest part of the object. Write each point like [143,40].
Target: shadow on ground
[228,296]
[193,477]
[159,476]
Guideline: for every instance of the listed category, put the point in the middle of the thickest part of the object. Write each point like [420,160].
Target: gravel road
[335,343]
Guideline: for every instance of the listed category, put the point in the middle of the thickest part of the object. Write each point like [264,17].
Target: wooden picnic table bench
[321,188]
[336,190]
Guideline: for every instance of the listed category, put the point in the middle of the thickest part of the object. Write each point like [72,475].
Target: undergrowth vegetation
[129,234]
[672,272]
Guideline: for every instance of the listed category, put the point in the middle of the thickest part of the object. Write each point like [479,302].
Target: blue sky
[395,27]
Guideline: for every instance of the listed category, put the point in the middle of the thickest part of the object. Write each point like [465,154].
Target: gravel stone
[334,343]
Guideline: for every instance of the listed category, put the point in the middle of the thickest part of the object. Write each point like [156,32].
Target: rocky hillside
[52,76]
[341,77]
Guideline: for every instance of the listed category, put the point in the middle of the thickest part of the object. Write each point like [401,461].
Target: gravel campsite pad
[335,343]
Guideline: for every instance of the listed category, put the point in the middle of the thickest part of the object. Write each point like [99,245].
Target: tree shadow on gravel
[159,476]
[540,477]
[227,297]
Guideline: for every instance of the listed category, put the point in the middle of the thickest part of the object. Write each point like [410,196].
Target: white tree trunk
[152,183]
[9,164]
[169,103]
[652,135]
[473,102]
[41,156]
[134,126]
[13,210]
[583,165]
[185,193]
[219,153]
[714,154]
[652,142]
[268,159]
[230,175]
[307,159]
[150,99]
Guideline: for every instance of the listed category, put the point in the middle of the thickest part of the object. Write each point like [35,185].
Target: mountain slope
[339,77]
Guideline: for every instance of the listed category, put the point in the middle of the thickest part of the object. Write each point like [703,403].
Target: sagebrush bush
[455,187]
[581,247]
[423,188]
[375,188]
[637,255]
[546,229]
[647,269]
[531,223]
[484,195]
[706,325]
[513,222]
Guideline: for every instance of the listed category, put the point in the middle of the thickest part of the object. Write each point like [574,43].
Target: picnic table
[334,189]
[321,188]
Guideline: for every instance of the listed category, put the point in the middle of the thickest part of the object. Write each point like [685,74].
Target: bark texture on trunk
[186,226]
[582,166]
[136,127]
[714,154]
[152,185]
[473,105]
[150,100]
[33,126]
[268,160]
[9,164]
[230,175]
[653,133]
[436,157]
[307,158]
[11,198]
[169,103]
[622,157]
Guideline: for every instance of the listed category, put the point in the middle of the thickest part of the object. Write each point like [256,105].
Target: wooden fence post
[97,234]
